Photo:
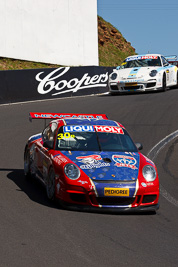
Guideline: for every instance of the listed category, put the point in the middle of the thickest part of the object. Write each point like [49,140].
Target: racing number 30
[66,135]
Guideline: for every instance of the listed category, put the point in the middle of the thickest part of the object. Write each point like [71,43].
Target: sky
[149,25]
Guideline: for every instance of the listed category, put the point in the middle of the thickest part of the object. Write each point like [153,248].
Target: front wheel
[50,184]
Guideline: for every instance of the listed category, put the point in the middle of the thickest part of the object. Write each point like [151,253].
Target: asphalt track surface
[34,232]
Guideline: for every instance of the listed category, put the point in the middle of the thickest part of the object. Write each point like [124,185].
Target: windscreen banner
[40,84]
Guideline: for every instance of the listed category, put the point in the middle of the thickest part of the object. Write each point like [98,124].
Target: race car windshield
[94,141]
[128,63]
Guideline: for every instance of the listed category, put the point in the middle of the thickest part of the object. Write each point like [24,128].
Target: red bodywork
[82,192]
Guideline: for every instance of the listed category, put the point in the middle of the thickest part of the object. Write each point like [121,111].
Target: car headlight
[153,73]
[72,171]
[113,76]
[149,173]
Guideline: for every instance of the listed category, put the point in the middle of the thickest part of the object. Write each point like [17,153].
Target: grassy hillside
[113,48]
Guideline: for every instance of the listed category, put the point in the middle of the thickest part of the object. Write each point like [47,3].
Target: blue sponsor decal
[133,72]
[133,58]
[78,128]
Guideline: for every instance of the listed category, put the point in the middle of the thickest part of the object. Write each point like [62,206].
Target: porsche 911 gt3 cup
[87,161]
[143,73]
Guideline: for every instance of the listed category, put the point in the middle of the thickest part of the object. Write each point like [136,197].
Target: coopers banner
[39,84]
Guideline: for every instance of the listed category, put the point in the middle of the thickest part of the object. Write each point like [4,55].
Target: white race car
[143,73]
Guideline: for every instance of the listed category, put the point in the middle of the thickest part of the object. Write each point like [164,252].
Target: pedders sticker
[125,161]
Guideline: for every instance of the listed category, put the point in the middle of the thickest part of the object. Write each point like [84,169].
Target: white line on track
[153,153]
[50,99]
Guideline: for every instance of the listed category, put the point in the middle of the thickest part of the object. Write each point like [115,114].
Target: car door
[44,153]
[170,72]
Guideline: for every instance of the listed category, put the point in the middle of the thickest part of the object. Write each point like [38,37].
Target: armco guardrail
[39,84]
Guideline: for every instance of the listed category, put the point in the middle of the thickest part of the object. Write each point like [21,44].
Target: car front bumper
[79,198]
[127,86]
[139,209]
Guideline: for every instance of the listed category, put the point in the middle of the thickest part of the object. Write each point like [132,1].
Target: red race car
[90,162]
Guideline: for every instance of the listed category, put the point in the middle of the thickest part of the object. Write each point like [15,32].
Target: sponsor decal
[54,82]
[65,116]
[143,184]
[149,57]
[92,161]
[125,161]
[59,159]
[133,74]
[133,58]
[141,57]
[82,182]
[89,159]
[131,84]
[149,160]
[116,191]
[150,183]
[93,166]
[132,81]
[97,128]
[65,136]
[78,128]
[109,129]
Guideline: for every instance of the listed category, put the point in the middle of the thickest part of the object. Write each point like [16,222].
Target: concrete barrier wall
[62,32]
[39,84]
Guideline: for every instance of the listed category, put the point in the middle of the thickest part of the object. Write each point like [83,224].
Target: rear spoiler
[174,57]
[36,115]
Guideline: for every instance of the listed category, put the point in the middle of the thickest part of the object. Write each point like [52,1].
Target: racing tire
[110,93]
[27,163]
[114,94]
[176,86]
[50,185]
[164,87]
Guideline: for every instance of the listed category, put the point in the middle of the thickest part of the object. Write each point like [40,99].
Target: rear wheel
[50,184]
[27,163]
[164,87]
[177,81]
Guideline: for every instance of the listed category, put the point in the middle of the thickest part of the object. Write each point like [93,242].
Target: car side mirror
[48,144]
[139,146]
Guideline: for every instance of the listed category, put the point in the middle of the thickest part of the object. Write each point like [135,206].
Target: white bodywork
[143,73]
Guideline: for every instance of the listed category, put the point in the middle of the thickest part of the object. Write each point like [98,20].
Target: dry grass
[15,64]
